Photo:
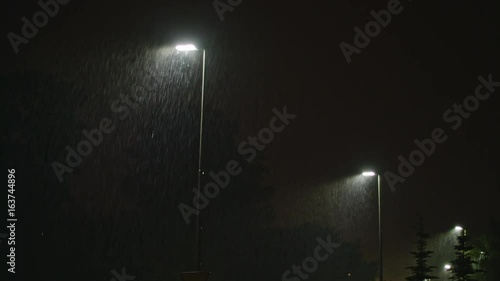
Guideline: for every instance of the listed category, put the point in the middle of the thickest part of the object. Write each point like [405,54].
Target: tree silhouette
[489,251]
[421,270]
[463,266]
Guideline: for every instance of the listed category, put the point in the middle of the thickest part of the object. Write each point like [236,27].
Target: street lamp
[447,268]
[460,230]
[371,174]
[188,48]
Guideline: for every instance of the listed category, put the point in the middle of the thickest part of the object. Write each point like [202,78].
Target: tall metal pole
[380,231]
[198,226]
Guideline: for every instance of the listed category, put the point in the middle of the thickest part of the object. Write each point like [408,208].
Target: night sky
[263,55]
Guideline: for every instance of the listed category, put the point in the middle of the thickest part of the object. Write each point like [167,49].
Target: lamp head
[368,174]
[186,47]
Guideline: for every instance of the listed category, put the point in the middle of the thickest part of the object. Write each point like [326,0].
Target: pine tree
[463,266]
[421,270]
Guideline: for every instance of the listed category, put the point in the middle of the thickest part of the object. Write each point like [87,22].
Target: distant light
[187,47]
[368,174]
[447,266]
[459,228]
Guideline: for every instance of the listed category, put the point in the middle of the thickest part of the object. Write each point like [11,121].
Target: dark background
[263,55]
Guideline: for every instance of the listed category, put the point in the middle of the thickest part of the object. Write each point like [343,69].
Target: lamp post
[448,268]
[381,269]
[188,48]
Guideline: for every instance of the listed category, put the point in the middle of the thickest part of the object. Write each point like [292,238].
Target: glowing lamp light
[458,228]
[368,174]
[447,266]
[186,48]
